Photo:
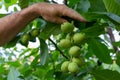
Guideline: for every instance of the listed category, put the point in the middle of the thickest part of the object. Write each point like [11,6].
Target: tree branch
[112,38]
[58,48]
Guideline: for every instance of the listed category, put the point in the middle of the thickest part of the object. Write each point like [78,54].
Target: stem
[112,38]
[58,48]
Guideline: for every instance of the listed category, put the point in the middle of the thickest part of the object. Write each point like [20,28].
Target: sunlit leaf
[112,6]
[23,3]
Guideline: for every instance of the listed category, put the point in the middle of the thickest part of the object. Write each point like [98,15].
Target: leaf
[114,18]
[105,15]
[43,52]
[7,1]
[55,55]
[97,6]
[100,50]
[2,15]
[116,43]
[118,59]
[50,29]
[14,63]
[83,6]
[13,42]
[2,69]
[105,75]
[72,3]
[112,6]
[95,30]
[23,3]
[35,61]
[13,74]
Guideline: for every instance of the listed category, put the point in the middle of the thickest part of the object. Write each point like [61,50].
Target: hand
[55,12]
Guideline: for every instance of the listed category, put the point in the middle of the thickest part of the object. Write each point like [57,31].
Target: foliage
[20,61]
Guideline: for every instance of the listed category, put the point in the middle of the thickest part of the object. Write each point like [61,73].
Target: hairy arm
[12,24]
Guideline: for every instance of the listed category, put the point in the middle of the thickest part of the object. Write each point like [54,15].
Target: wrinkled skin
[12,24]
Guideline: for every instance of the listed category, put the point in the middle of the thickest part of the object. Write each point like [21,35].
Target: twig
[112,38]
[58,48]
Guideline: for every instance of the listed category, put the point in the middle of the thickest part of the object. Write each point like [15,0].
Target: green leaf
[105,75]
[105,15]
[50,29]
[10,1]
[55,55]
[2,15]
[13,74]
[43,52]
[14,63]
[112,6]
[35,61]
[97,6]
[7,1]
[100,50]
[95,30]
[118,59]
[116,43]
[72,3]
[83,6]
[2,69]
[13,42]
[114,18]
[23,3]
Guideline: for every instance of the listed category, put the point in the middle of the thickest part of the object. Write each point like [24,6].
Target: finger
[60,20]
[73,14]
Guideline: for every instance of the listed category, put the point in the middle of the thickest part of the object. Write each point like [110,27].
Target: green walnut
[25,38]
[34,32]
[64,66]
[73,67]
[67,27]
[74,51]
[78,38]
[79,61]
[65,43]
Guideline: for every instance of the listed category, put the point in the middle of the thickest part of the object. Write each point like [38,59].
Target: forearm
[12,24]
